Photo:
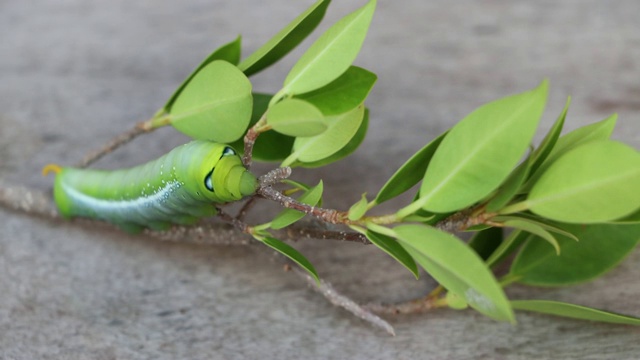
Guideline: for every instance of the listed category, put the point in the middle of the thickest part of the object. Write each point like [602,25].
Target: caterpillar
[177,188]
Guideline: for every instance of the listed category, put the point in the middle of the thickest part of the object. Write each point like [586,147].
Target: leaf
[295,117]
[455,302]
[573,311]
[600,249]
[293,254]
[270,145]
[342,128]
[357,210]
[215,105]
[331,54]
[631,219]
[595,182]
[535,229]
[390,246]
[480,151]
[289,216]
[548,143]
[485,242]
[456,267]
[285,40]
[347,150]
[508,246]
[344,93]
[410,173]
[510,187]
[229,52]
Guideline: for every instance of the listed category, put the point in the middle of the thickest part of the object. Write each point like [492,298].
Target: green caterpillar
[177,188]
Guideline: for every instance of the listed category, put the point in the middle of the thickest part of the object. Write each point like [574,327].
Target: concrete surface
[74,73]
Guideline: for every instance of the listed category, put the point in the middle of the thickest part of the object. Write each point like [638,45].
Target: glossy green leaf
[270,145]
[535,229]
[330,55]
[595,182]
[573,311]
[486,241]
[344,93]
[480,151]
[215,105]
[631,219]
[410,173]
[601,248]
[390,246]
[357,210]
[456,267]
[510,244]
[549,142]
[285,40]
[293,254]
[289,216]
[296,117]
[347,150]
[511,186]
[342,128]
[229,52]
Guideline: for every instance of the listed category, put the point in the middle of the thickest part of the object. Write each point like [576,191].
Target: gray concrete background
[74,73]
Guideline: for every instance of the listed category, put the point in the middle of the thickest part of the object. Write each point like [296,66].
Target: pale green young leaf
[357,210]
[410,173]
[542,222]
[296,117]
[285,40]
[289,216]
[480,151]
[456,267]
[573,311]
[510,244]
[535,229]
[215,105]
[347,150]
[229,52]
[291,253]
[596,182]
[331,54]
[390,246]
[341,129]
[600,249]
[344,93]
[456,302]
[549,142]
[510,187]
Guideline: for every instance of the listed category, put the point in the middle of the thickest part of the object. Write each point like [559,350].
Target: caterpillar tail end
[51,168]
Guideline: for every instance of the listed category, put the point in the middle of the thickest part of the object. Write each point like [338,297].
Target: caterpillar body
[177,188]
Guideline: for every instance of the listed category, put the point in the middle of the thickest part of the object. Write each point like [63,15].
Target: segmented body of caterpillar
[177,188]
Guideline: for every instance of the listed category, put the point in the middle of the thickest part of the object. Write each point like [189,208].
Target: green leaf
[344,93]
[289,216]
[285,40]
[295,117]
[390,246]
[357,210]
[549,142]
[270,145]
[595,182]
[293,254]
[342,128]
[456,267]
[215,105]
[331,54]
[600,249]
[510,187]
[480,151]
[347,150]
[229,52]
[486,241]
[535,229]
[508,246]
[631,219]
[573,311]
[455,301]
[410,173]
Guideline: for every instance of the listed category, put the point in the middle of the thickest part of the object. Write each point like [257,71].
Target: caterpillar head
[222,176]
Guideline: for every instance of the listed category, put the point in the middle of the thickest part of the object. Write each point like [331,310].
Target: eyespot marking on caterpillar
[208,183]
[228,151]
[51,168]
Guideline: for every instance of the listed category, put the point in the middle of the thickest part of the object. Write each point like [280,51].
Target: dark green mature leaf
[601,248]
[342,128]
[347,150]
[390,246]
[215,105]
[456,267]
[296,117]
[289,216]
[285,40]
[480,151]
[331,54]
[344,93]
[595,182]
[573,311]
[486,241]
[292,254]
[410,173]
[229,52]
